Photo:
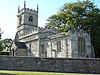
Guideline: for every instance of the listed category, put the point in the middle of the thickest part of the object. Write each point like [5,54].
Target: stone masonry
[48,42]
[67,65]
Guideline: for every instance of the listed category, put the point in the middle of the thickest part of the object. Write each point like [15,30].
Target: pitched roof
[21,45]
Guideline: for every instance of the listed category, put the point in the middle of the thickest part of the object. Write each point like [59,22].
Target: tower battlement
[27,23]
[26,9]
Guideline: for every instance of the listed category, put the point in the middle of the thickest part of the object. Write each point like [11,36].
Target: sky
[8,13]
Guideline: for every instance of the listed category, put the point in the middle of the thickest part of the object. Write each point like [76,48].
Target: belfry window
[30,18]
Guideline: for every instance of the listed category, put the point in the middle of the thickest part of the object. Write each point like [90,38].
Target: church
[32,40]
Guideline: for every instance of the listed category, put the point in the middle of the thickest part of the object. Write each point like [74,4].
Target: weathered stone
[66,65]
[48,42]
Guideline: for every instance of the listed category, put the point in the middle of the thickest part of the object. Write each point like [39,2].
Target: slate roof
[21,45]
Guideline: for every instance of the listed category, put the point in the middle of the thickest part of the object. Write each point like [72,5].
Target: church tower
[27,20]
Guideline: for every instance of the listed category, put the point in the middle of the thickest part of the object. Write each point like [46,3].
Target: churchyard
[46,51]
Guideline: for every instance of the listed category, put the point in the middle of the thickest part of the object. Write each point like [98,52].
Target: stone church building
[32,40]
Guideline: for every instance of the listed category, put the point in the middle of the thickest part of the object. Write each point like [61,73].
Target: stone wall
[50,64]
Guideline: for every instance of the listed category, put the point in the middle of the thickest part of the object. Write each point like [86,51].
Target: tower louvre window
[30,18]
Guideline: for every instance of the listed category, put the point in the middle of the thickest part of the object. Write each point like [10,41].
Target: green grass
[37,73]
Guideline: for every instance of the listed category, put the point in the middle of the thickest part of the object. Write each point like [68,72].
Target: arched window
[30,18]
[59,46]
[81,46]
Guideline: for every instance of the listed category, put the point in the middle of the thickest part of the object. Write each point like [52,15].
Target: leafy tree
[5,45]
[1,47]
[81,14]
[0,33]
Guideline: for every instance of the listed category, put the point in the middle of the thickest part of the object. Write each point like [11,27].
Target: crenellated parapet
[25,9]
[47,29]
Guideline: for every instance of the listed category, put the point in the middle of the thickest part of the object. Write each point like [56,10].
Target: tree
[1,47]
[5,45]
[83,15]
[0,33]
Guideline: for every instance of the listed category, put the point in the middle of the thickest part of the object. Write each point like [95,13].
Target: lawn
[36,73]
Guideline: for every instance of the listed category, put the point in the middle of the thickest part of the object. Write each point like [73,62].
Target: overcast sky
[8,12]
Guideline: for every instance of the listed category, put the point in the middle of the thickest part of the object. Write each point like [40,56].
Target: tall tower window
[20,20]
[30,18]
